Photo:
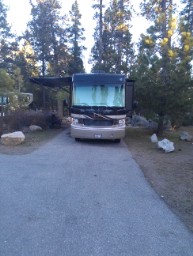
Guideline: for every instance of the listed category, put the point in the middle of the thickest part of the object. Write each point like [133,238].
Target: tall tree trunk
[43,87]
[100,33]
[160,127]
[60,108]
[165,68]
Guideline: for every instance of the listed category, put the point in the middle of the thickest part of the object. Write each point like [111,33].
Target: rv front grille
[92,122]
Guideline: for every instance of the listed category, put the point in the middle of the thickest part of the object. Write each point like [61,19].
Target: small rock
[186,136]
[154,138]
[35,128]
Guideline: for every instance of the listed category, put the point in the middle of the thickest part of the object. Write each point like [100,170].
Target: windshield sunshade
[108,95]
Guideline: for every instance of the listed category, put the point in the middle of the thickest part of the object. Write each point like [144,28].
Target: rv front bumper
[85,132]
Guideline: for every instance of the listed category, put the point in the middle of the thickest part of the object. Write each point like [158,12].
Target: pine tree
[6,82]
[160,78]
[47,36]
[186,33]
[117,49]
[187,15]
[75,35]
[7,43]
[98,48]
[25,60]
[60,55]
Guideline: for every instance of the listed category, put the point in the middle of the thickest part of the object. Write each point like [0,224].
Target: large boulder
[166,145]
[12,139]
[139,121]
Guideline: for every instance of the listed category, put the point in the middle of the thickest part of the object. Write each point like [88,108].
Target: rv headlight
[74,120]
[122,122]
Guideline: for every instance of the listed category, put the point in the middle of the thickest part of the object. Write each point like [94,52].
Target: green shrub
[188,119]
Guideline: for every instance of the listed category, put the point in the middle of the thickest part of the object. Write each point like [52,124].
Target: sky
[19,14]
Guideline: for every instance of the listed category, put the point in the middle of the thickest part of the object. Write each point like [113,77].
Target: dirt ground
[33,140]
[170,174]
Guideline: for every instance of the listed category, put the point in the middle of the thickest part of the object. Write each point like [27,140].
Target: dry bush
[17,120]
[1,125]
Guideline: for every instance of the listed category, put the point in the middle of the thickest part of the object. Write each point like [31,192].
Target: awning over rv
[53,82]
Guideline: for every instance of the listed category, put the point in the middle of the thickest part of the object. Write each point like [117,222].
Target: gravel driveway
[84,199]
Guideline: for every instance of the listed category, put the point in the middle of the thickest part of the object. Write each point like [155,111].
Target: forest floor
[170,174]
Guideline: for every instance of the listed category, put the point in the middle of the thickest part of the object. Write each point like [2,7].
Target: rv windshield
[109,95]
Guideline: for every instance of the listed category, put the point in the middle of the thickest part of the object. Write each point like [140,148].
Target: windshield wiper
[89,117]
[105,117]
